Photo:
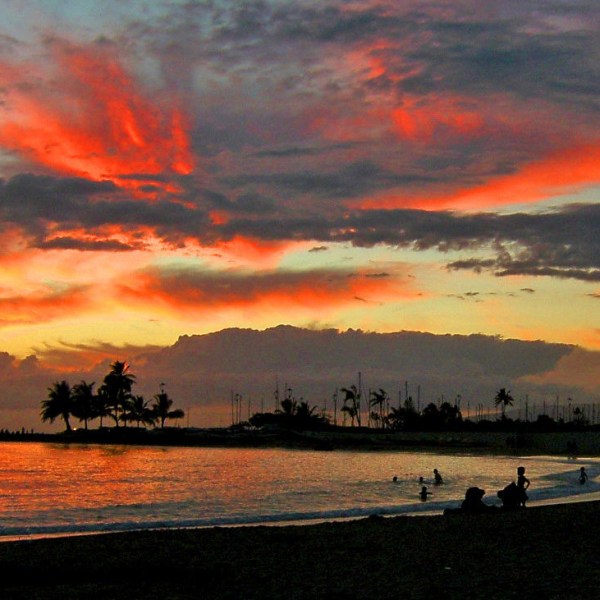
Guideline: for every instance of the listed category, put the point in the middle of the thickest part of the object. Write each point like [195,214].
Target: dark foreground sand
[549,552]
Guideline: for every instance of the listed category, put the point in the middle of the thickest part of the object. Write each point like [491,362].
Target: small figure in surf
[395,478]
[437,478]
[522,485]
[424,493]
[421,481]
[583,476]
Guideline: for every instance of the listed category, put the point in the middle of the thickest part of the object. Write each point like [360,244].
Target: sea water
[55,489]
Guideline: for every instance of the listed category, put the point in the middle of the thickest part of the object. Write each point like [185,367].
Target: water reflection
[81,487]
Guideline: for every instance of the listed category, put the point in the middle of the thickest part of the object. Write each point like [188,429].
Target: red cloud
[437,117]
[199,294]
[563,171]
[44,306]
[92,120]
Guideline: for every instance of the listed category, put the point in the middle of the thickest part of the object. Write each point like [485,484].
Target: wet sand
[549,552]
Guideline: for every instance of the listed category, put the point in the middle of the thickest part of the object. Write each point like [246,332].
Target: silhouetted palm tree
[503,399]
[162,409]
[138,411]
[351,411]
[378,400]
[101,406]
[117,388]
[352,396]
[304,413]
[58,404]
[83,402]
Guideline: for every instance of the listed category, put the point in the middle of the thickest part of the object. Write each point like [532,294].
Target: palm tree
[138,412]
[83,402]
[117,389]
[378,400]
[162,409]
[100,405]
[353,410]
[58,404]
[503,399]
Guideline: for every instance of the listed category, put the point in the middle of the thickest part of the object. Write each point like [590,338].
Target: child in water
[583,477]
[522,484]
[437,477]
[424,493]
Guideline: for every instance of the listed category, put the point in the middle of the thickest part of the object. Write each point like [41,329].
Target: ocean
[64,489]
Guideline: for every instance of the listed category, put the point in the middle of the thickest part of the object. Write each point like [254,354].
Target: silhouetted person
[514,495]
[583,477]
[473,501]
[395,479]
[510,496]
[421,481]
[522,484]
[437,478]
[424,493]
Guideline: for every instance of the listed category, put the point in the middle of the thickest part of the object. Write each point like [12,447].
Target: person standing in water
[522,485]
[583,476]
[437,478]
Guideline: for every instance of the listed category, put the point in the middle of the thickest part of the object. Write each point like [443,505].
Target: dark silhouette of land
[535,552]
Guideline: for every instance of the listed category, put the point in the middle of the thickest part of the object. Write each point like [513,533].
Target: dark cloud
[562,243]
[69,243]
[351,181]
[201,370]
[316,363]
[461,48]
[505,57]
[197,289]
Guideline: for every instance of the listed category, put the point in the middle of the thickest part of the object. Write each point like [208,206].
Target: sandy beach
[549,552]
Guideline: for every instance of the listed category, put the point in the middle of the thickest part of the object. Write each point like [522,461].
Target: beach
[550,552]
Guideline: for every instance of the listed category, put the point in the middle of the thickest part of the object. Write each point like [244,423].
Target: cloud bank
[200,372]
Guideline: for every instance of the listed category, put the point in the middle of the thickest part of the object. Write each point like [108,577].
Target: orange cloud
[201,294]
[564,171]
[420,121]
[43,306]
[67,358]
[580,367]
[259,253]
[91,120]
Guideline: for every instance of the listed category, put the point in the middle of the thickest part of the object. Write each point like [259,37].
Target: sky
[174,168]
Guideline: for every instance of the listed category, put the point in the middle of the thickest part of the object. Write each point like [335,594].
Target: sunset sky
[180,167]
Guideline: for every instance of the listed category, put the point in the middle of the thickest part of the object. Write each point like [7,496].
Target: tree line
[113,400]
[447,416]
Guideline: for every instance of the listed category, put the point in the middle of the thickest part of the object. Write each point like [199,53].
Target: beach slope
[549,552]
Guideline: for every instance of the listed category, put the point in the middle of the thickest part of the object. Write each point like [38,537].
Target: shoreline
[546,550]
[424,511]
[587,443]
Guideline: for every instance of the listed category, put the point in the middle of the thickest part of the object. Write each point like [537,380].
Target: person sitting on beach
[473,502]
[522,484]
[437,478]
[583,476]
[424,493]
[510,496]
